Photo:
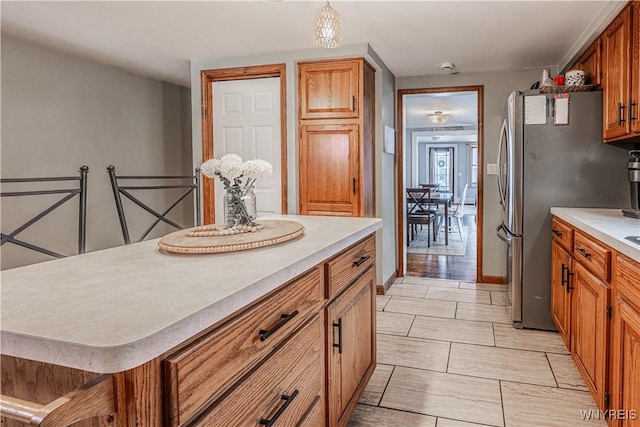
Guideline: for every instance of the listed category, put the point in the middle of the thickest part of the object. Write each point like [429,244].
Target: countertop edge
[625,248]
[130,355]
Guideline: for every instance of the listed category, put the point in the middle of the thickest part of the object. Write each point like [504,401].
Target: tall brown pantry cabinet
[336,137]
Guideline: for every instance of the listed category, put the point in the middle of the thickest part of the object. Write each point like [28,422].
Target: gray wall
[60,112]
[385,114]
[497,86]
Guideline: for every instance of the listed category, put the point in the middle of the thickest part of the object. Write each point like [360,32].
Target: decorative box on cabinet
[336,131]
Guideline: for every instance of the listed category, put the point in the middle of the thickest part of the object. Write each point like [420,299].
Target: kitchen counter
[606,225]
[112,310]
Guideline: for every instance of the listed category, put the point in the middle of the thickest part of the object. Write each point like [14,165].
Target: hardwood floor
[448,266]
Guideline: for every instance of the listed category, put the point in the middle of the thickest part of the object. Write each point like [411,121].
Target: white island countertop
[115,309]
[606,225]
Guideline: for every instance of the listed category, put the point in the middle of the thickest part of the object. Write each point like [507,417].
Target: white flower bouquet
[233,171]
[238,178]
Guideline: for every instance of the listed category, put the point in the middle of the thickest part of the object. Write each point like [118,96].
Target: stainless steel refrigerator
[542,165]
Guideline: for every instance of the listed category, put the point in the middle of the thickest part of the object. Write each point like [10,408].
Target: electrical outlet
[492,169]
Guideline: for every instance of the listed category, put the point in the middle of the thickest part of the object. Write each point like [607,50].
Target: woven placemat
[274,231]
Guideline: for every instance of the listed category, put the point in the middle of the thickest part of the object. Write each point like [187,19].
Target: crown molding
[608,12]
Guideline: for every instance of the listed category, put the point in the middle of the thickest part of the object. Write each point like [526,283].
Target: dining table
[436,198]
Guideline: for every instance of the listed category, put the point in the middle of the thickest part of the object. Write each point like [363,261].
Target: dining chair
[420,212]
[457,212]
[189,183]
[80,189]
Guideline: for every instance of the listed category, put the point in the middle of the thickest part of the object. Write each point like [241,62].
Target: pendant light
[327,27]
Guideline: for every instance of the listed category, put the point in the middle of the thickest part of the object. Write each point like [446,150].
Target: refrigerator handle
[503,134]
[504,237]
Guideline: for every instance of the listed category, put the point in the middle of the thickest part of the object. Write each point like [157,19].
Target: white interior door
[246,122]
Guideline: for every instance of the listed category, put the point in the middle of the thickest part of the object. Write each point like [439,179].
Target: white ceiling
[159,38]
[462,108]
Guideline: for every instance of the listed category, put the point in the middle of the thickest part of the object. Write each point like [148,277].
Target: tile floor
[449,357]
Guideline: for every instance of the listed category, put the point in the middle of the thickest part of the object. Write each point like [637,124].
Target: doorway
[250,120]
[444,153]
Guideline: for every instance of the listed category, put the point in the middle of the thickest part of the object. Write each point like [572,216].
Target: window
[473,164]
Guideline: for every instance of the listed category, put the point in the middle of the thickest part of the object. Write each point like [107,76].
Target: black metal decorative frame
[81,191]
[118,190]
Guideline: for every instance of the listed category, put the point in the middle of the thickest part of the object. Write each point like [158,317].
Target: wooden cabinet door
[350,346]
[329,90]
[590,330]
[560,296]
[626,363]
[590,62]
[616,44]
[329,171]
[634,105]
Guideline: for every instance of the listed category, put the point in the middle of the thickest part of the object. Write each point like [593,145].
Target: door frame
[207,77]
[479,89]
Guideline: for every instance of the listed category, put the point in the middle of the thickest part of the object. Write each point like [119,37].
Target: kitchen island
[595,303]
[181,337]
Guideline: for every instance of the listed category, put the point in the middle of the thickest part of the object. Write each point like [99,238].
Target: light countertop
[115,309]
[606,225]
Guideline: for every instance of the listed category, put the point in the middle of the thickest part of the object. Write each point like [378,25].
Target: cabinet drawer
[627,279]
[315,416]
[562,233]
[283,387]
[198,374]
[346,266]
[595,256]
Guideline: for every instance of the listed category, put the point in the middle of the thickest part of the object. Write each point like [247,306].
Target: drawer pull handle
[584,253]
[557,233]
[266,333]
[339,326]
[362,260]
[287,401]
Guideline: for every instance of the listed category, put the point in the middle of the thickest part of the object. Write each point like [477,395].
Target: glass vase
[235,211]
[249,200]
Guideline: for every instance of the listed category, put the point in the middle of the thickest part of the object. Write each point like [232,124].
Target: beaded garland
[221,230]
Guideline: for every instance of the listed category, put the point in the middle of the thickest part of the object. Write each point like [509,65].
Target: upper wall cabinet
[329,89]
[635,73]
[591,63]
[620,76]
[336,137]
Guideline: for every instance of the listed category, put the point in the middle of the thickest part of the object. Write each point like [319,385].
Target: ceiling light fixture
[437,118]
[327,27]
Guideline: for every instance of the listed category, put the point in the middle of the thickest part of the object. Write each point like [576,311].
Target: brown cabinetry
[591,63]
[335,127]
[621,74]
[330,90]
[595,303]
[625,349]
[590,331]
[299,356]
[350,347]
[560,290]
[329,170]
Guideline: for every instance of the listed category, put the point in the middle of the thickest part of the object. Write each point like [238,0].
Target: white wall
[60,112]
[497,86]
[385,114]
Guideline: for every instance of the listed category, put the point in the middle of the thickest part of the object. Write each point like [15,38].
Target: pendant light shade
[437,118]
[327,27]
